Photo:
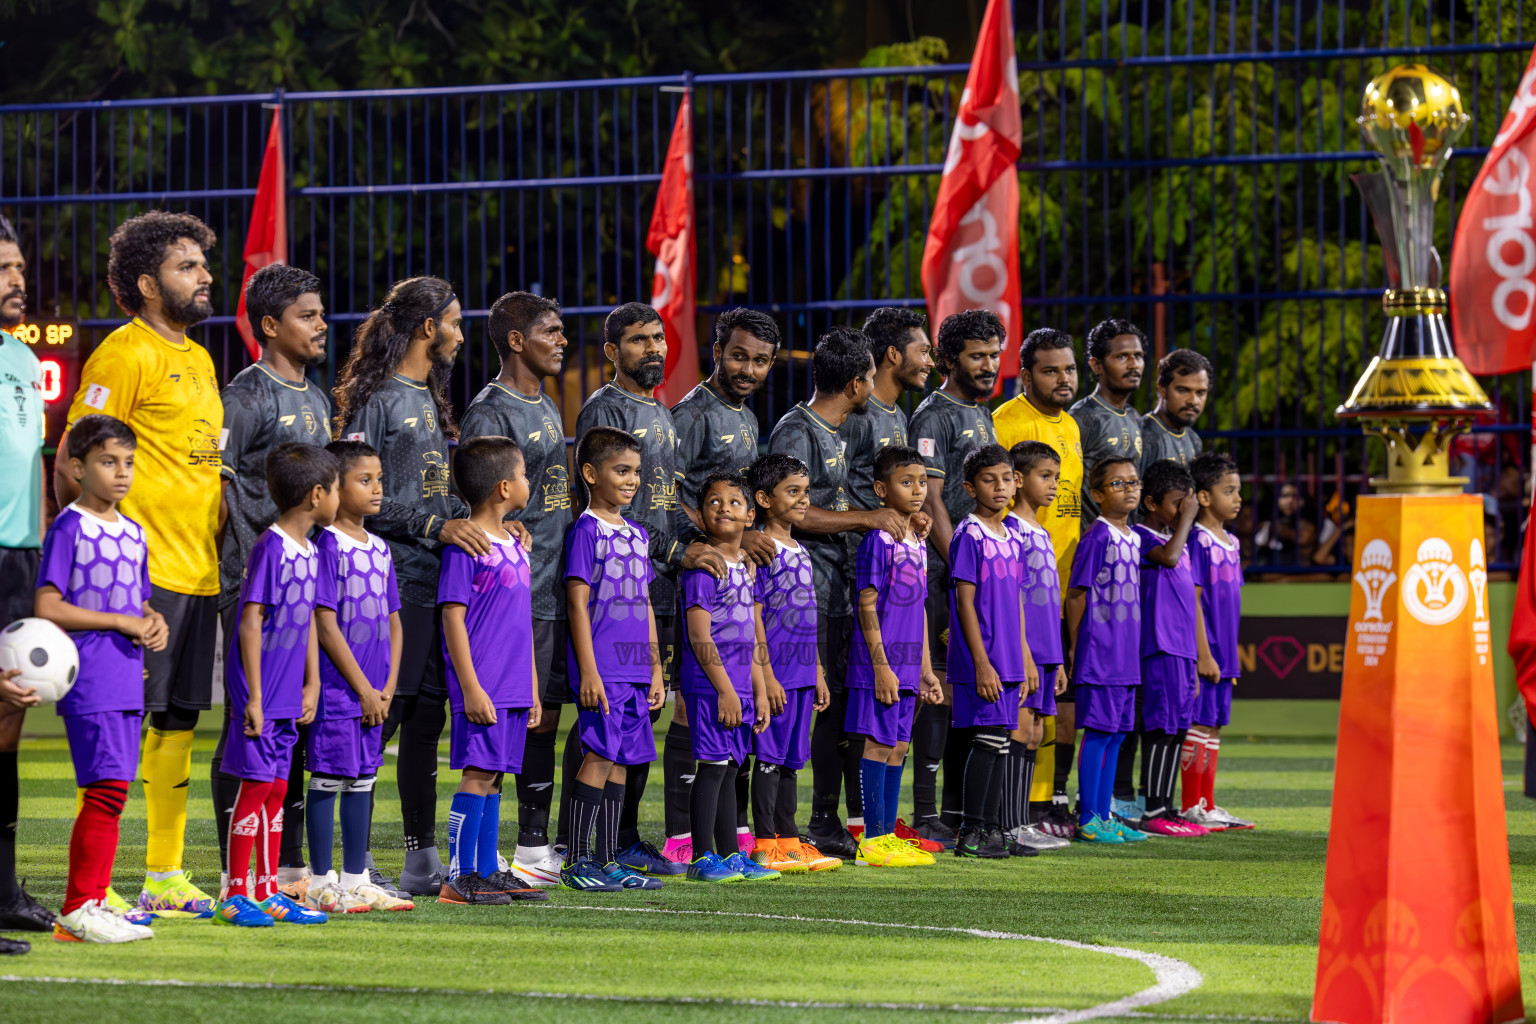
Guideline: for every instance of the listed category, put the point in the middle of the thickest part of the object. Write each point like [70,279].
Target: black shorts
[1069,695]
[834,635]
[936,611]
[182,674]
[421,653]
[549,662]
[668,638]
[18,583]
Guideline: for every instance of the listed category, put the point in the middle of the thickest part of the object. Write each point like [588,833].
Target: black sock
[704,804]
[928,735]
[765,801]
[743,799]
[10,811]
[416,771]
[610,821]
[992,818]
[788,803]
[535,789]
[1125,765]
[1023,759]
[570,764]
[225,790]
[1064,752]
[1162,769]
[725,813]
[852,747]
[677,767]
[629,814]
[827,759]
[985,748]
[291,848]
[957,749]
[586,808]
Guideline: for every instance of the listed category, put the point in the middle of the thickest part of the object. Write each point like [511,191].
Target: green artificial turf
[1242,908]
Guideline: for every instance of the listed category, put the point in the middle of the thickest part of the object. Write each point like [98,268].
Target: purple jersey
[729,603]
[898,571]
[787,591]
[979,556]
[100,566]
[1167,599]
[1042,591]
[1218,572]
[357,582]
[497,596]
[614,561]
[1108,651]
[280,574]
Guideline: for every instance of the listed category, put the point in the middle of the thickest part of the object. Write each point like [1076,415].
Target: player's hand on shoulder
[758,546]
[922,525]
[519,531]
[891,521]
[14,694]
[462,533]
[700,555]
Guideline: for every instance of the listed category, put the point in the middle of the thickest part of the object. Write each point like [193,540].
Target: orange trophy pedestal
[1418,917]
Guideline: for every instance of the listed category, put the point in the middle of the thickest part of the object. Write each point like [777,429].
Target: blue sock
[490,836]
[872,786]
[320,827]
[892,796]
[1090,769]
[463,832]
[1107,775]
[355,812]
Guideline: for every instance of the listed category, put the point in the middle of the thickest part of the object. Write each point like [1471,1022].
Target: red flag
[1522,627]
[672,241]
[1493,259]
[266,241]
[971,258]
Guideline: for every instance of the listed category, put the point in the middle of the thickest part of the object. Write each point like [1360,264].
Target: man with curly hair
[161,383]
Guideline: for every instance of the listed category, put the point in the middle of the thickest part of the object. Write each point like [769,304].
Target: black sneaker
[25,914]
[832,839]
[472,890]
[936,831]
[383,881]
[1012,845]
[974,842]
[513,886]
[14,947]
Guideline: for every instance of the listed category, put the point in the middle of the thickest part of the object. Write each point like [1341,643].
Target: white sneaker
[536,865]
[501,863]
[93,922]
[1032,837]
[1228,819]
[1200,815]
[374,898]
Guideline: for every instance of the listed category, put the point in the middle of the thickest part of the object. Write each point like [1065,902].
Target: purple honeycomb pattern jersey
[992,563]
[787,591]
[898,571]
[614,561]
[729,603]
[1108,651]
[1042,592]
[497,594]
[281,575]
[100,566]
[1218,572]
[357,582]
[1167,600]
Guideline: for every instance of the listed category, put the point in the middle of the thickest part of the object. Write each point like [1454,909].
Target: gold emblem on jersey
[555,489]
[429,414]
[309,420]
[434,475]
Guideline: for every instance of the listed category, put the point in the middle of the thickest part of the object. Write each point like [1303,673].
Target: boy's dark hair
[139,245]
[96,430]
[735,480]
[1100,471]
[753,321]
[959,328]
[894,457]
[350,453]
[1180,363]
[1206,469]
[1029,454]
[599,444]
[1164,476]
[1106,331]
[274,288]
[628,315]
[294,469]
[891,327]
[482,463]
[8,231]
[772,469]
[1042,339]
[840,358]
[517,311]
[978,459]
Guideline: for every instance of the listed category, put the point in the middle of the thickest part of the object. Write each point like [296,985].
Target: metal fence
[1185,165]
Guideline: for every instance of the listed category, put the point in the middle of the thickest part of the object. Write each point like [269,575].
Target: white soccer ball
[45,654]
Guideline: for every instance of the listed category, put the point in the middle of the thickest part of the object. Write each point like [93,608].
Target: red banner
[266,240]
[971,259]
[1493,259]
[672,241]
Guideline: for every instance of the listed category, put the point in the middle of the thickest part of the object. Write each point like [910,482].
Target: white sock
[286,876]
[856,822]
[161,876]
[350,881]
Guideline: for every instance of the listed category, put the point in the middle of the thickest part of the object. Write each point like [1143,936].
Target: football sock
[725,813]
[957,750]
[1208,774]
[891,799]
[356,812]
[1025,758]
[827,757]
[789,798]
[245,833]
[535,788]
[765,801]
[320,821]
[167,768]
[992,818]
[1040,790]
[271,840]
[709,782]
[93,843]
[416,778]
[743,800]
[1125,767]
[610,823]
[852,747]
[928,735]
[1010,814]
[1162,768]
[224,789]
[986,746]
[1090,766]
[10,809]
[570,764]
[464,816]
[1107,777]
[1063,766]
[872,782]
[1191,756]
[677,767]
[635,778]
[292,853]
[490,837]
[586,805]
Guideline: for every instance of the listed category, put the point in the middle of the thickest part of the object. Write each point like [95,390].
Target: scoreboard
[57,345]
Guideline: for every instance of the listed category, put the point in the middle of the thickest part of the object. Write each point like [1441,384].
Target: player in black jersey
[1168,431]
[1106,420]
[903,355]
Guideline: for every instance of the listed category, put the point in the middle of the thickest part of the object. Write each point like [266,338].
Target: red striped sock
[1191,758]
[93,843]
[244,832]
[1208,777]
[267,850]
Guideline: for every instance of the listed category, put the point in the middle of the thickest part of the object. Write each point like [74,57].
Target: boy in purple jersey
[94,582]
[1218,569]
[1037,475]
[1104,627]
[613,654]
[989,665]
[272,679]
[357,623]
[487,606]
[785,593]
[722,682]
[888,662]
[1170,623]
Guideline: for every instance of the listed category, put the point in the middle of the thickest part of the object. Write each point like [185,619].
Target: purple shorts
[264,758]
[1106,708]
[787,740]
[334,746]
[491,748]
[104,745]
[1043,700]
[1167,692]
[624,734]
[970,711]
[713,741]
[1214,705]
[373,748]
[887,725]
